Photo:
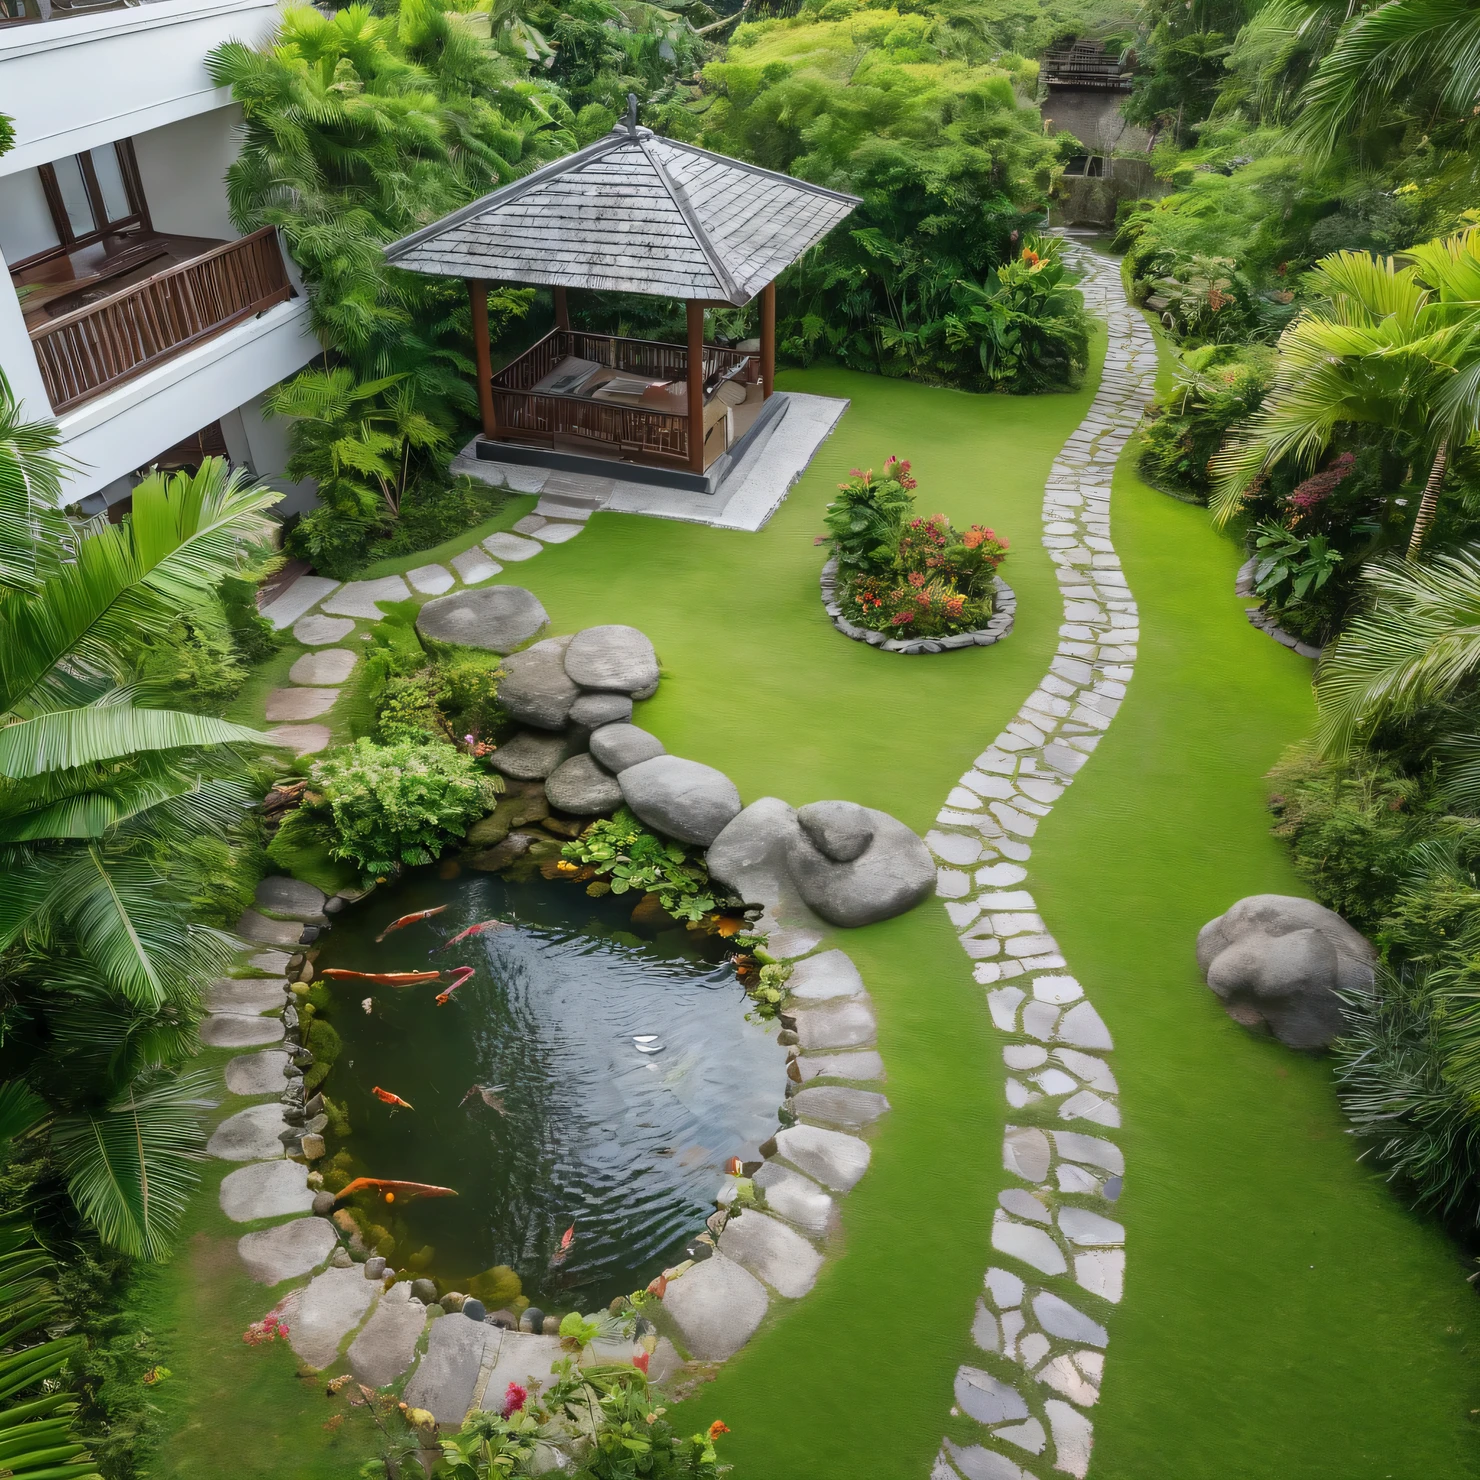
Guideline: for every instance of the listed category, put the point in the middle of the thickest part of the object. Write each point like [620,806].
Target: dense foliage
[399,805]
[920,118]
[360,127]
[619,855]
[908,576]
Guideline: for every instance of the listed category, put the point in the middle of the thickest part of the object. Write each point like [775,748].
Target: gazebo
[631,213]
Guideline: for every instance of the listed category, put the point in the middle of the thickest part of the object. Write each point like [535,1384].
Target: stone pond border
[333,1307]
[994,631]
[1022,1405]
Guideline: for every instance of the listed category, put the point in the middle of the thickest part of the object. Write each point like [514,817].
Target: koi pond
[583,1076]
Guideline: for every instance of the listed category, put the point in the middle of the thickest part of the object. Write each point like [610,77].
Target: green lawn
[1231,1355]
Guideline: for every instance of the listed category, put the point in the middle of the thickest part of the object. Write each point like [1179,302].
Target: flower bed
[910,584]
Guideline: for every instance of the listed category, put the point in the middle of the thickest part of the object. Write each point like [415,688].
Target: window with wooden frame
[91,195]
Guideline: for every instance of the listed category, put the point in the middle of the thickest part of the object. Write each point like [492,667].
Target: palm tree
[30,488]
[1418,646]
[1406,60]
[1389,346]
[87,774]
[35,1433]
[98,790]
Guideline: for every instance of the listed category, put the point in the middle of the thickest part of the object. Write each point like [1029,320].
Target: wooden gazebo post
[483,355]
[562,308]
[768,340]
[696,386]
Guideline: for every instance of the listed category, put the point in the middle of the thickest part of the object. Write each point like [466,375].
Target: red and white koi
[406,920]
[458,978]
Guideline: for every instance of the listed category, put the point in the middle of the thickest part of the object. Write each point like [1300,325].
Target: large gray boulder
[614,659]
[682,799]
[581,788]
[892,873]
[620,746]
[771,853]
[536,689]
[496,618]
[1278,963]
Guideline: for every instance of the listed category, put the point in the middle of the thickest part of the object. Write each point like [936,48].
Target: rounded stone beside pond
[615,658]
[580,787]
[536,689]
[681,798]
[620,746]
[270,1189]
[497,619]
[531,755]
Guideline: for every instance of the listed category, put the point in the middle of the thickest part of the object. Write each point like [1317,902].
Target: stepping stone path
[362,598]
[431,580]
[511,547]
[299,704]
[1042,1360]
[473,566]
[317,631]
[268,1189]
[278,1254]
[329,666]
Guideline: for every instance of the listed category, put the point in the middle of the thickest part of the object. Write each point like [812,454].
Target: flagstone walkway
[323,612]
[1041,1322]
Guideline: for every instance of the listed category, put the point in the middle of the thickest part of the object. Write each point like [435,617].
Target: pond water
[626,1073]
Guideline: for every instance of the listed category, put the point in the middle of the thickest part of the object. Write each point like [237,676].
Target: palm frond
[131,1168]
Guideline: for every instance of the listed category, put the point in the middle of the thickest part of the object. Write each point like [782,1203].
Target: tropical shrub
[394,806]
[360,127]
[1025,325]
[909,577]
[621,856]
[915,115]
[606,1419]
[1212,393]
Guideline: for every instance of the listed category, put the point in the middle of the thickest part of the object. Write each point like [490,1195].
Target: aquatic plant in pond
[582,1076]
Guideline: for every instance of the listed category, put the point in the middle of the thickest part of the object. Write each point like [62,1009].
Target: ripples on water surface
[627,1146]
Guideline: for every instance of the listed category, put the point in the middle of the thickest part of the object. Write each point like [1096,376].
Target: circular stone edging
[994,631]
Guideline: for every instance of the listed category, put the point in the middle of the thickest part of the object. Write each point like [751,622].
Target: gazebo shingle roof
[633,213]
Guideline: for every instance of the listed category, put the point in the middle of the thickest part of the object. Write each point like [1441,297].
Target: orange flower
[718,1427]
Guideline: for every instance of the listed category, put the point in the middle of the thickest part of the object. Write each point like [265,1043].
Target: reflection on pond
[581,1076]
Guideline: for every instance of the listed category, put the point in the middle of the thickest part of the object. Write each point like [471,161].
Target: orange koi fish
[389,1189]
[458,978]
[382,978]
[566,1240]
[387,1098]
[472,930]
[406,920]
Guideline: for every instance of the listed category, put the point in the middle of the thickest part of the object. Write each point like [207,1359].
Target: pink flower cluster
[515,1397]
[270,1328]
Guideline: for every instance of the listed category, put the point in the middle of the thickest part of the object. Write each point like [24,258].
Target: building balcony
[142,313]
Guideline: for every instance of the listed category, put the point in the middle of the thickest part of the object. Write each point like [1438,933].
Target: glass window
[109,170]
[25,218]
[73,190]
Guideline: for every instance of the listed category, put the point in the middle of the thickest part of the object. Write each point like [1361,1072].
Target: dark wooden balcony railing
[87,352]
[524,414]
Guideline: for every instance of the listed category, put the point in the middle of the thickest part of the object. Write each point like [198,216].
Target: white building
[131,308]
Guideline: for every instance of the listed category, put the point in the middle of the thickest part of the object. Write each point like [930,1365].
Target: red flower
[640,1361]
[514,1399]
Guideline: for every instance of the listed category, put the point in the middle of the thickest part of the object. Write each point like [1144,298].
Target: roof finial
[631,119]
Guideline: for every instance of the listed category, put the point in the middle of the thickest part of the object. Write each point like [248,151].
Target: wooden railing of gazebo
[524,414]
